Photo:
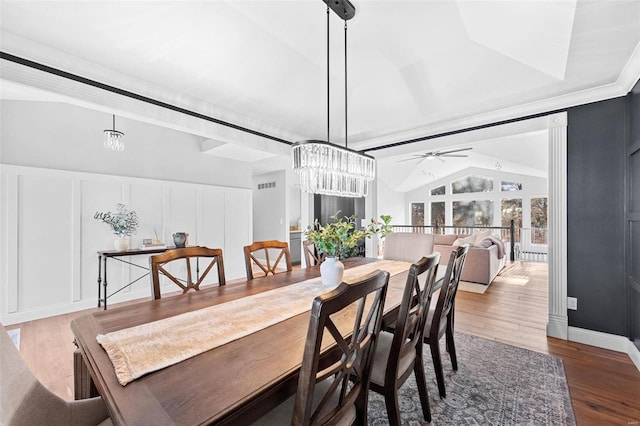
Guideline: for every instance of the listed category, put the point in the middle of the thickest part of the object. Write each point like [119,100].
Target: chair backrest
[311,255]
[341,389]
[407,246]
[412,315]
[449,288]
[269,249]
[158,265]
[23,399]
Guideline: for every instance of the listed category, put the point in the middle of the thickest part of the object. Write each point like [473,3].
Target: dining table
[234,383]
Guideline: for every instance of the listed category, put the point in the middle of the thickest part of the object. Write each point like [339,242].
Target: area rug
[496,384]
[14,334]
[472,287]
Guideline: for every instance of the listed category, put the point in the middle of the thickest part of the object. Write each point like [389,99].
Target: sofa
[485,259]
[407,246]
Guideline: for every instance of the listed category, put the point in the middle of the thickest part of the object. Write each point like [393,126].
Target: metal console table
[103,255]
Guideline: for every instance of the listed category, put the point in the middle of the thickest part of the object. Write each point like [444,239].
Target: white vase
[121,244]
[331,271]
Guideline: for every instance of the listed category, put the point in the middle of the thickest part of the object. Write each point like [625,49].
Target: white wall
[55,175]
[271,217]
[67,137]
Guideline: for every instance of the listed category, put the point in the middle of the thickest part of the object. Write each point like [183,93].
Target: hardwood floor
[604,385]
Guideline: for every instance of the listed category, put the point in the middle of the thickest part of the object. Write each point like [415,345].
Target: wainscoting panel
[45,235]
[49,250]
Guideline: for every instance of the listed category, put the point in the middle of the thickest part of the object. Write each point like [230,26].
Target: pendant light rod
[114,122]
[328,91]
[346,128]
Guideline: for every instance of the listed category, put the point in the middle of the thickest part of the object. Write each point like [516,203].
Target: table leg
[83,385]
[99,280]
[104,282]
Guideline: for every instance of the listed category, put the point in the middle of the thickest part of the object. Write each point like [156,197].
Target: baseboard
[606,341]
[50,311]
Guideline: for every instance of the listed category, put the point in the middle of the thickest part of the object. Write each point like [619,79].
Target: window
[473,213]
[438,191]
[539,211]
[417,214]
[511,210]
[510,186]
[437,213]
[471,183]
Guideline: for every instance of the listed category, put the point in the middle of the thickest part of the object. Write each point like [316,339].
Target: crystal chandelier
[325,168]
[113,138]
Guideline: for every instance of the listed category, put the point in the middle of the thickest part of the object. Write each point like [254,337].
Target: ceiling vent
[266,185]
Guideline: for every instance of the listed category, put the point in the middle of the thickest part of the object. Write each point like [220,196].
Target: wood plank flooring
[604,385]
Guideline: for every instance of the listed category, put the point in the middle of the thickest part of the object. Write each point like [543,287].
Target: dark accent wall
[633,216]
[596,155]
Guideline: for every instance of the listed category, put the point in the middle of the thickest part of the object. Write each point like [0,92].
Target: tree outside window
[437,213]
[539,210]
[473,213]
[511,210]
[417,214]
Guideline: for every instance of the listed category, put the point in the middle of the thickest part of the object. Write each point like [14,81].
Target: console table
[103,255]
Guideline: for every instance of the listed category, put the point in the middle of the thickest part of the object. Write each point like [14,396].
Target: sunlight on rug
[15,336]
[472,287]
[496,384]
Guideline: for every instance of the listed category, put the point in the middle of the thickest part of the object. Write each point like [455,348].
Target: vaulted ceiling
[415,68]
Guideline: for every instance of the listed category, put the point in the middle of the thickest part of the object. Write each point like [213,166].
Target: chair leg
[437,367]
[452,348]
[422,388]
[393,408]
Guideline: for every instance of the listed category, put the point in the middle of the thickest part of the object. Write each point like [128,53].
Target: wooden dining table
[235,383]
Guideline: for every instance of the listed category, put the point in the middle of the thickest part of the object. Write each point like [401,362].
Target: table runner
[149,347]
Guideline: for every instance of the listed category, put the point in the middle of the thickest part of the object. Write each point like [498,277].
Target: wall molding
[557,217]
[612,342]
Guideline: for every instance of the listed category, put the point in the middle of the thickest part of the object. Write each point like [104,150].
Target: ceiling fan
[438,154]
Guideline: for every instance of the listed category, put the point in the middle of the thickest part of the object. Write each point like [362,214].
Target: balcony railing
[529,243]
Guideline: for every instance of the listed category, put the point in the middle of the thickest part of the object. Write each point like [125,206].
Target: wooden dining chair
[158,266]
[399,353]
[335,392]
[259,255]
[26,401]
[311,255]
[440,319]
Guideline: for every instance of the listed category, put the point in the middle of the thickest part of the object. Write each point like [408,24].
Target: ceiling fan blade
[453,150]
[453,155]
[438,157]
[416,157]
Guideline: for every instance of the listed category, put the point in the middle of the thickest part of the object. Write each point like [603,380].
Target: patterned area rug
[496,384]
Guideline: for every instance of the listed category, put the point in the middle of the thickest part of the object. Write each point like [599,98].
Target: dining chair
[335,391]
[159,265]
[440,319]
[26,401]
[407,246]
[258,255]
[311,255]
[399,353]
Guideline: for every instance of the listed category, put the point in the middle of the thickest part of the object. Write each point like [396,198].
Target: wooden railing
[507,233]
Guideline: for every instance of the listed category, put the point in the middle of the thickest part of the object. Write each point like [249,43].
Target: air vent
[266,185]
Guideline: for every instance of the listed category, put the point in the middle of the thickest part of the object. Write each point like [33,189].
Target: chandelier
[326,168]
[113,138]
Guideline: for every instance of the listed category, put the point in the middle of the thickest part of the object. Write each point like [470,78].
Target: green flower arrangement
[123,222]
[339,238]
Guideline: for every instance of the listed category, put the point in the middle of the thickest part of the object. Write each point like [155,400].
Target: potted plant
[123,223]
[337,240]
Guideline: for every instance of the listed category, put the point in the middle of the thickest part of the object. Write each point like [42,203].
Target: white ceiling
[416,68]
